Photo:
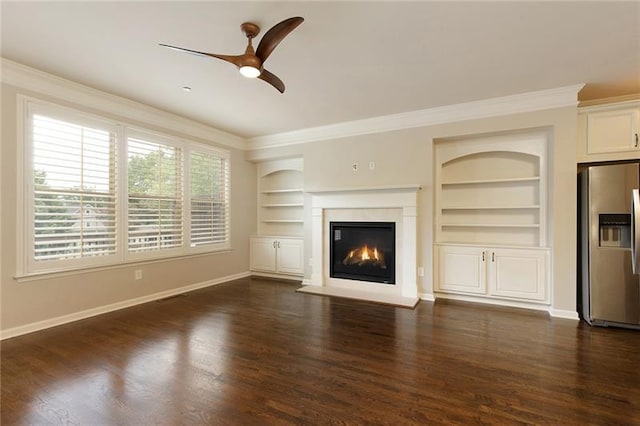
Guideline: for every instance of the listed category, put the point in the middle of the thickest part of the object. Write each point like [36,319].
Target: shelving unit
[479,182]
[278,248]
[488,225]
[280,198]
[490,186]
[490,218]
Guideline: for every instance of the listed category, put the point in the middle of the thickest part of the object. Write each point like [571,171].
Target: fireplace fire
[363,251]
[364,255]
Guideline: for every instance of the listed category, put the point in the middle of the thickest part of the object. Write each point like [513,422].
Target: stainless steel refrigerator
[610,245]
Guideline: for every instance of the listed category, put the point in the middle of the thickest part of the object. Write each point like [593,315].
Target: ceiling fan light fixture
[250,64]
[250,72]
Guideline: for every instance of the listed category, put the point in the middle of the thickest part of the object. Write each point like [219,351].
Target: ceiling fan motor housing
[249,29]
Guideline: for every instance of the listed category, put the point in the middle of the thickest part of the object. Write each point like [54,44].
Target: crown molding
[31,79]
[27,78]
[506,105]
[630,99]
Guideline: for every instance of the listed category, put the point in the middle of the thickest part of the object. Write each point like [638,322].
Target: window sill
[45,275]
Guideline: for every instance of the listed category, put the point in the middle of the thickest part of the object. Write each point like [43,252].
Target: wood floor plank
[254,351]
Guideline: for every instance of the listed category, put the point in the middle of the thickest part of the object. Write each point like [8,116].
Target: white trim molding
[506,105]
[28,78]
[396,204]
[429,297]
[560,313]
[76,316]
[31,79]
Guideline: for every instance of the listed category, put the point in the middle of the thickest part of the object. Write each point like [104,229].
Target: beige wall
[406,157]
[28,302]
[402,157]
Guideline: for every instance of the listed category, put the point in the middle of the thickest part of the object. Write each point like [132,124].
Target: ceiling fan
[251,62]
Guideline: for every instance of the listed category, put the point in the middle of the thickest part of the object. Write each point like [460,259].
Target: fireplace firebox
[363,251]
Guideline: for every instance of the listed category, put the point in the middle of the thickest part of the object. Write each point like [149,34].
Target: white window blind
[74,190]
[155,200]
[94,192]
[209,192]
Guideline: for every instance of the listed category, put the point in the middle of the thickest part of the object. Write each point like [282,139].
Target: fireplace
[389,205]
[363,251]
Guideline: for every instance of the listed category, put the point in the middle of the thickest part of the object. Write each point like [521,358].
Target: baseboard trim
[429,297]
[64,319]
[561,313]
[496,302]
[277,276]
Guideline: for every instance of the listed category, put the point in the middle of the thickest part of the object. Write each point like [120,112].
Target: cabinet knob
[274,244]
[636,144]
[493,256]
[483,256]
[278,244]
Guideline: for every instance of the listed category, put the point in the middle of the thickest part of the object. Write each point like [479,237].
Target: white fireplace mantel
[401,203]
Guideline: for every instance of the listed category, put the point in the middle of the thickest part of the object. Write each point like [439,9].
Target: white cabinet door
[461,269]
[613,131]
[263,254]
[290,255]
[518,273]
[495,273]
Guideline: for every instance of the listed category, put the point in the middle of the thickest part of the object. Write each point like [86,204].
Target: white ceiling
[347,61]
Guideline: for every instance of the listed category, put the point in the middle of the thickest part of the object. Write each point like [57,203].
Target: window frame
[158,138]
[225,155]
[27,266]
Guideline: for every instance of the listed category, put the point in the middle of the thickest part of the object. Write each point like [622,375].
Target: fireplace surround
[381,204]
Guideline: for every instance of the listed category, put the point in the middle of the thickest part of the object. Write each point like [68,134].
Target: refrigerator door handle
[635,231]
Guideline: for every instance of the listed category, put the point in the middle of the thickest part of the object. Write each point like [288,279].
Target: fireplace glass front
[363,251]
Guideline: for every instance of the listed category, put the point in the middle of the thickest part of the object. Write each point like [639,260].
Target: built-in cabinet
[491,216]
[609,132]
[498,272]
[277,255]
[278,246]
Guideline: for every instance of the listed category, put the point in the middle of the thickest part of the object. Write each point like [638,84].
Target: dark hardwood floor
[255,352]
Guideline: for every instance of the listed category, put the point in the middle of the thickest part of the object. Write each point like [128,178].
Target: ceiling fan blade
[235,60]
[274,36]
[272,79]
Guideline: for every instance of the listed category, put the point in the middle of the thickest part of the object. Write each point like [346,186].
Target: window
[94,197]
[73,191]
[209,190]
[154,220]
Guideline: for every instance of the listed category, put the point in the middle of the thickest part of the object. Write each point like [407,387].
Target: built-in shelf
[489,225]
[281,198]
[505,207]
[492,190]
[490,218]
[492,181]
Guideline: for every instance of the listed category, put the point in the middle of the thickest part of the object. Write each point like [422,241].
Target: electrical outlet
[420,271]
[354,166]
[138,274]
[372,165]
